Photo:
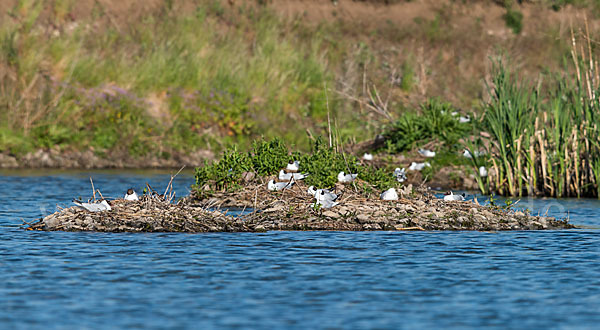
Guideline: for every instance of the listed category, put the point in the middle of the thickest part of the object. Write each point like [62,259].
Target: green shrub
[268,157]
[434,122]
[322,165]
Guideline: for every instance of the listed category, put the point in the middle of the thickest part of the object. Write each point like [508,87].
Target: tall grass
[545,143]
[181,80]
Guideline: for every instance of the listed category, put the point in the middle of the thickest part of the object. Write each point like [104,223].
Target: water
[62,280]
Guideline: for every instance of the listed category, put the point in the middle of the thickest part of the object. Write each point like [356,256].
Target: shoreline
[89,159]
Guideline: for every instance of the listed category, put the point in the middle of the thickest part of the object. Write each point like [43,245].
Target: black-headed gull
[346,178]
[400,174]
[326,203]
[449,196]
[418,166]
[464,119]
[288,176]
[277,186]
[367,157]
[427,153]
[130,195]
[322,194]
[293,166]
[93,207]
[468,154]
[389,195]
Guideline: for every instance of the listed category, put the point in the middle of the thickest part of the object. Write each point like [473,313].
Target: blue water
[59,280]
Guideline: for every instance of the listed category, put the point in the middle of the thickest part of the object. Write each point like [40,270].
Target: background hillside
[135,79]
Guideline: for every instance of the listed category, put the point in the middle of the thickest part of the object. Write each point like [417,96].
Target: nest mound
[149,214]
[416,209]
[292,209]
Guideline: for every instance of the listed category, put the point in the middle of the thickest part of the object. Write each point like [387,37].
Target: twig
[328,117]
[171,184]
[93,189]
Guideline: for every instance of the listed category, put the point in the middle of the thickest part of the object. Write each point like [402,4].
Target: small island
[239,182]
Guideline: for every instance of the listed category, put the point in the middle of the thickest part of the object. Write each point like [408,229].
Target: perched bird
[464,119]
[131,195]
[322,193]
[468,154]
[449,196]
[325,203]
[427,153]
[483,171]
[368,156]
[346,178]
[289,176]
[418,166]
[277,186]
[400,174]
[390,195]
[93,207]
[293,166]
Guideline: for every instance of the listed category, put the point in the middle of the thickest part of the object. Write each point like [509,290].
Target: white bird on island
[130,195]
[93,207]
[293,166]
[346,178]
[468,154]
[390,195]
[368,157]
[483,172]
[400,174]
[289,176]
[464,119]
[418,166]
[326,203]
[322,194]
[277,186]
[449,196]
[427,153]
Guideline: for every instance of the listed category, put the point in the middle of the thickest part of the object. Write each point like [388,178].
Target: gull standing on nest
[130,195]
[321,193]
[293,166]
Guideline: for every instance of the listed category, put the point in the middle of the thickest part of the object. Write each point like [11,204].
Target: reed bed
[544,142]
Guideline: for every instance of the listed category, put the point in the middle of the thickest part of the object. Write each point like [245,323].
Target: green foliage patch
[435,122]
[266,158]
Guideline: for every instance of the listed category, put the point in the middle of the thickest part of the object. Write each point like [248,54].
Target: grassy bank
[183,76]
[173,80]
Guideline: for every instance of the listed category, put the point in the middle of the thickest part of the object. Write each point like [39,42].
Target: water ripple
[288,279]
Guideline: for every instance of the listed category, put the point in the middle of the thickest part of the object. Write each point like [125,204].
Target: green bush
[322,165]
[434,122]
[269,157]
